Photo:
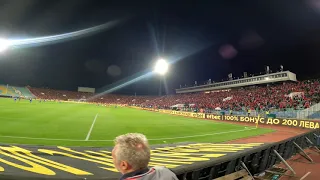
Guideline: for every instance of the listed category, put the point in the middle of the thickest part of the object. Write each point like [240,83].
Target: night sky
[208,39]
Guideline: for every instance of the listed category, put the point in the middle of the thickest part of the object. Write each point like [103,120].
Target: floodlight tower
[161,68]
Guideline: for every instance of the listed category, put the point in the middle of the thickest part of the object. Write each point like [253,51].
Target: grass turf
[68,124]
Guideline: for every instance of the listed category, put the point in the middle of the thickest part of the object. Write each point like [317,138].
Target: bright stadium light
[4,44]
[161,67]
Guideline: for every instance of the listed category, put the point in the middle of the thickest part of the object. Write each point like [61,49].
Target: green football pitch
[72,124]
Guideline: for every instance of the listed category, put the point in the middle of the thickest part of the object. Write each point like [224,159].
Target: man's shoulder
[161,168]
[164,173]
[156,173]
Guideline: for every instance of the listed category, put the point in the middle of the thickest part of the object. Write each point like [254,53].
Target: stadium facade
[249,81]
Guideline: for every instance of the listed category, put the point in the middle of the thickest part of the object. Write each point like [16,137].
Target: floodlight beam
[4,45]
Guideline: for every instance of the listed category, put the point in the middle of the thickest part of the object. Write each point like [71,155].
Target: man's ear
[125,166]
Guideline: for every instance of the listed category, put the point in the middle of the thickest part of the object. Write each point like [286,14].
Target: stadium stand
[23,91]
[14,91]
[121,99]
[284,98]
[4,91]
[44,93]
[233,82]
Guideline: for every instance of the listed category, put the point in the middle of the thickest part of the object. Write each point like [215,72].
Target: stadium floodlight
[267,78]
[4,45]
[161,67]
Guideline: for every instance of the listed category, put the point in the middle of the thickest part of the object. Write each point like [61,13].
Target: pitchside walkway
[304,169]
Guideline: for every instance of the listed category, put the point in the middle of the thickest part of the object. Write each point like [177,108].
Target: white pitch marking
[49,139]
[181,137]
[94,121]
[307,174]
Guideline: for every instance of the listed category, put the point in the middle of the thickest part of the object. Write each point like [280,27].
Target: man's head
[131,152]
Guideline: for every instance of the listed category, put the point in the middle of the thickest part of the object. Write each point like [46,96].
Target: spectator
[131,156]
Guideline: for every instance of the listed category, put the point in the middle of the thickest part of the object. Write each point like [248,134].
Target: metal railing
[311,113]
[256,160]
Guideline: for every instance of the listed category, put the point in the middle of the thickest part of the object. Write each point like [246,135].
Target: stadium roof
[262,79]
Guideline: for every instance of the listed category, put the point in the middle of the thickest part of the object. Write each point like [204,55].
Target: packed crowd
[121,99]
[292,95]
[299,95]
[50,94]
